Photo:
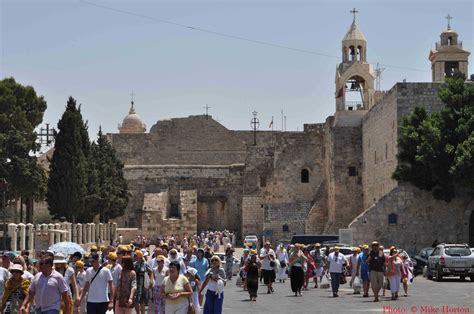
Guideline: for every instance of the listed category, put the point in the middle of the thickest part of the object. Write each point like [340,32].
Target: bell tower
[448,57]
[354,76]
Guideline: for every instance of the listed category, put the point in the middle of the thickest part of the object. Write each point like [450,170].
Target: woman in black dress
[297,263]
[252,275]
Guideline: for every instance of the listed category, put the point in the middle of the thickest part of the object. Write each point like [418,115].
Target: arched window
[344,54]
[352,51]
[450,41]
[392,219]
[359,53]
[304,176]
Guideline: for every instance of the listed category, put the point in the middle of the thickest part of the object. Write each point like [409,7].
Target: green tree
[436,151]
[21,111]
[113,189]
[68,176]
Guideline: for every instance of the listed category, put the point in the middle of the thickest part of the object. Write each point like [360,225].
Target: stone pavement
[425,296]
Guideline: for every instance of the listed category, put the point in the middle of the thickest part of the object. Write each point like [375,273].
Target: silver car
[451,260]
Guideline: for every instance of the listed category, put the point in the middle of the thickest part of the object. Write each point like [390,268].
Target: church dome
[132,123]
[354,33]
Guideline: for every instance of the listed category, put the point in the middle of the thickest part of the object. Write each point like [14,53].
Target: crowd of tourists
[181,276]
[185,275]
[368,268]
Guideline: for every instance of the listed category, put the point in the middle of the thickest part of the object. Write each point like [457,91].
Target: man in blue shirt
[363,267]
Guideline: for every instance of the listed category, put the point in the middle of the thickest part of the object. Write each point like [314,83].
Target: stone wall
[344,185]
[420,220]
[252,215]
[156,220]
[380,131]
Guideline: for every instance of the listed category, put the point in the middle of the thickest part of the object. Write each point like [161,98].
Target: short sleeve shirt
[98,290]
[376,262]
[336,262]
[266,261]
[174,287]
[48,290]
[362,259]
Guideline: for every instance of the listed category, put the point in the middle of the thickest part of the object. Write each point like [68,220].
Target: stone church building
[190,174]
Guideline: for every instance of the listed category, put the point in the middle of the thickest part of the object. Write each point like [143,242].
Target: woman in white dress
[282,256]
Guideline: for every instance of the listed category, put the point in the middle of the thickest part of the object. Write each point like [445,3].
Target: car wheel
[439,275]
[472,278]
[430,275]
[462,278]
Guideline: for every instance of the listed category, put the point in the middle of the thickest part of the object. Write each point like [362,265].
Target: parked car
[421,260]
[451,260]
[313,238]
[235,265]
[251,241]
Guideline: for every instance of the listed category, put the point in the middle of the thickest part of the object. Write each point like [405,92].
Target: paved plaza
[425,296]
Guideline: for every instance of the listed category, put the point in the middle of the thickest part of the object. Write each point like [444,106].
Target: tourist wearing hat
[376,262]
[267,258]
[252,267]
[319,263]
[48,289]
[7,257]
[61,266]
[243,262]
[160,271]
[394,272]
[215,282]
[99,288]
[336,263]
[16,290]
[144,282]
[126,288]
[353,260]
[296,262]
[362,269]
[80,275]
[115,268]
[21,261]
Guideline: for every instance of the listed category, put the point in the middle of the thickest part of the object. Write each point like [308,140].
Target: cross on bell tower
[449,18]
[354,12]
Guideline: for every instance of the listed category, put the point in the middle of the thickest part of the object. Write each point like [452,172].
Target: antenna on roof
[378,76]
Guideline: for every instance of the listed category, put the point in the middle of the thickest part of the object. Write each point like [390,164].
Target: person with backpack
[144,282]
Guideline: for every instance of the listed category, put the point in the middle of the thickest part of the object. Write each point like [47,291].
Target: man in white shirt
[336,263]
[98,287]
[267,258]
[4,276]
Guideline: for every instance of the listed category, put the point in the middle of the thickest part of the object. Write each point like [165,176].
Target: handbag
[272,264]
[191,307]
[282,264]
[342,279]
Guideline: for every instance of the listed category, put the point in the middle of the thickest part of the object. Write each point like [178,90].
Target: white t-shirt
[116,271]
[27,275]
[159,276]
[98,290]
[266,261]
[4,276]
[336,262]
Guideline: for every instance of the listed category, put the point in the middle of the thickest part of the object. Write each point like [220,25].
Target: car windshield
[429,251]
[457,251]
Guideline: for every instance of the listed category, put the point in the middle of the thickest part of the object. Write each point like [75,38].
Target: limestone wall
[252,215]
[380,131]
[421,220]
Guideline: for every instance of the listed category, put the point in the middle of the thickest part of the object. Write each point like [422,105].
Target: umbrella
[67,248]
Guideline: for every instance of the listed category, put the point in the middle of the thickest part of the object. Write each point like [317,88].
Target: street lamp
[4,189]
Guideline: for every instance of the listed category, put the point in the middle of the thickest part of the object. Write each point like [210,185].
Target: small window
[386,151]
[352,171]
[263,181]
[375,157]
[392,219]
[286,228]
[304,176]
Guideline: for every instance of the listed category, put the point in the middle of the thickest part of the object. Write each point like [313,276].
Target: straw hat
[59,258]
[16,267]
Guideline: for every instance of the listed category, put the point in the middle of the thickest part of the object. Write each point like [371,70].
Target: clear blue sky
[67,47]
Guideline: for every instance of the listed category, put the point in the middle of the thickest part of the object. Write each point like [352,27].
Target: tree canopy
[436,151]
[21,111]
